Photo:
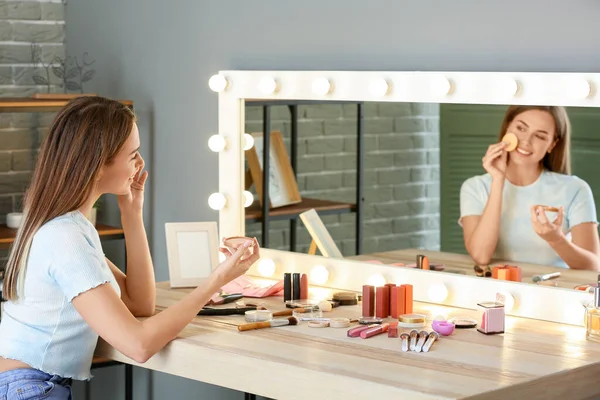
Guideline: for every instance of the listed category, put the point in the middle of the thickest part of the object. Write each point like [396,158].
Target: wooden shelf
[323,207]
[28,104]
[7,235]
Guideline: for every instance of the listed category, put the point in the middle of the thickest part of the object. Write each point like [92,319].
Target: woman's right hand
[495,160]
[234,266]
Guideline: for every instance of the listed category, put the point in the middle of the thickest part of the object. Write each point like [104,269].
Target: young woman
[61,292]
[500,211]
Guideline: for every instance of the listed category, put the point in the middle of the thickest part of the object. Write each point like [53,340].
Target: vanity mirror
[452,116]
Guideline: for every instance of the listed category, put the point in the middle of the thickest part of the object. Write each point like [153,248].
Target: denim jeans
[32,384]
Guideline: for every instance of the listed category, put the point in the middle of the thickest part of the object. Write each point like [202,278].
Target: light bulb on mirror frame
[509,86]
[440,86]
[580,89]
[217,201]
[267,85]
[248,141]
[217,83]
[376,280]
[319,275]
[266,267]
[437,292]
[248,199]
[217,143]
[379,87]
[509,301]
[321,86]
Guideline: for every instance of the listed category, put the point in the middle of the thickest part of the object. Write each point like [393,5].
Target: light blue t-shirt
[43,328]
[517,240]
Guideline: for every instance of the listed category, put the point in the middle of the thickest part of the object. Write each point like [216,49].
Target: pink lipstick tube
[374,331]
[355,332]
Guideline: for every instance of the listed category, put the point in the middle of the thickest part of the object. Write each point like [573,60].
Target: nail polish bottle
[592,317]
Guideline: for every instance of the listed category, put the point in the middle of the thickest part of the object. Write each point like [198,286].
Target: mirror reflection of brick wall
[25,26]
[401,175]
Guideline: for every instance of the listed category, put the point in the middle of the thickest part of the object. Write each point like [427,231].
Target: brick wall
[32,35]
[401,172]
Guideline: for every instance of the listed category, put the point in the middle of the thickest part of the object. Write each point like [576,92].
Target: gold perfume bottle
[592,316]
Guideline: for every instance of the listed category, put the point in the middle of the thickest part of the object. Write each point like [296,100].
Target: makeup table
[463,264]
[532,359]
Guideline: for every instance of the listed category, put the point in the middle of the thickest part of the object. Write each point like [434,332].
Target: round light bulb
[267,85]
[248,141]
[440,86]
[376,280]
[319,275]
[580,89]
[217,201]
[266,267]
[248,198]
[217,143]
[509,301]
[438,292]
[217,83]
[379,87]
[511,87]
[321,86]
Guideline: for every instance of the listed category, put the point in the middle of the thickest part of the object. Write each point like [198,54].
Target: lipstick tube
[374,331]
[287,286]
[355,332]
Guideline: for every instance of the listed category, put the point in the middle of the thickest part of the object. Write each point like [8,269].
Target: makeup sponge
[511,141]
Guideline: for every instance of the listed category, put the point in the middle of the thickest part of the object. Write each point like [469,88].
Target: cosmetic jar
[369,320]
[339,322]
[258,315]
[308,313]
[234,242]
[463,322]
[444,328]
[13,220]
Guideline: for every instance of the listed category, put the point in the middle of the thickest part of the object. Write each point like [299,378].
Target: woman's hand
[495,160]
[234,266]
[549,231]
[133,202]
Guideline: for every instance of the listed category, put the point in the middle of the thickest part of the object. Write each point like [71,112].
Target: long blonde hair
[85,135]
[559,159]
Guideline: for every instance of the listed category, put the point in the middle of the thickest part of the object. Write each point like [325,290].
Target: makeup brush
[269,324]
[540,278]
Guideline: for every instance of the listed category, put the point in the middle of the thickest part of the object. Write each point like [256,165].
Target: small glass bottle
[592,317]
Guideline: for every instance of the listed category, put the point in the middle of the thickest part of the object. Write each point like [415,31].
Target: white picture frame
[319,234]
[192,252]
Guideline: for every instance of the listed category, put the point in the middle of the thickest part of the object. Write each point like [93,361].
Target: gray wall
[401,173]
[161,54]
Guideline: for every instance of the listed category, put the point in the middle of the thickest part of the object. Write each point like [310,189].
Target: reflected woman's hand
[495,161]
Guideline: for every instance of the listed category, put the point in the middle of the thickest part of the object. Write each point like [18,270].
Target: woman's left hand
[133,202]
[547,230]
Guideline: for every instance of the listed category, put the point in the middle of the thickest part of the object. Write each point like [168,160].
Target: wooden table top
[463,264]
[532,359]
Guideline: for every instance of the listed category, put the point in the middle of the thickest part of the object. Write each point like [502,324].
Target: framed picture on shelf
[192,252]
[283,188]
[321,238]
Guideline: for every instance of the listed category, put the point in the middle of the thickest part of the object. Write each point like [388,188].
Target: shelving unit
[264,214]
[7,235]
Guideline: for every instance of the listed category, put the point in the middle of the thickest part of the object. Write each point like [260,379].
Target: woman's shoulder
[477,182]
[62,230]
[569,182]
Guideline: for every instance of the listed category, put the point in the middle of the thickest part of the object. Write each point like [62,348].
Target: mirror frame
[499,88]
